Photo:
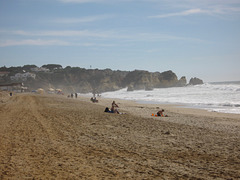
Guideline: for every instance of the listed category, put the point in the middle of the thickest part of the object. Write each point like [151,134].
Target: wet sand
[53,137]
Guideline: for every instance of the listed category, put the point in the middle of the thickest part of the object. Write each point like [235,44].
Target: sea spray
[220,97]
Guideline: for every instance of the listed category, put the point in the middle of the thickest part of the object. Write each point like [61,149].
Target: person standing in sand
[113,110]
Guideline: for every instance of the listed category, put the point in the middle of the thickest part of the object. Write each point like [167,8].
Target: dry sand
[52,137]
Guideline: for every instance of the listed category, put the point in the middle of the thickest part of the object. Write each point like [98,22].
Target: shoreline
[215,98]
[175,108]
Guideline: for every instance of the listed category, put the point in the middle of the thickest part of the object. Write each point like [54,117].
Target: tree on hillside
[3,68]
[29,67]
[52,66]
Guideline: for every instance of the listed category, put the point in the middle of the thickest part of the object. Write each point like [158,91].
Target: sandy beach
[54,137]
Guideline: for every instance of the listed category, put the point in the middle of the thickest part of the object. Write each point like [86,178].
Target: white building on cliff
[23,76]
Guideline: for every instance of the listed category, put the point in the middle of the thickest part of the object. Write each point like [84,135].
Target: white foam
[214,97]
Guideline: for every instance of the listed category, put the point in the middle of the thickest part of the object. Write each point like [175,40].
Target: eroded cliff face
[137,80]
[79,80]
[75,79]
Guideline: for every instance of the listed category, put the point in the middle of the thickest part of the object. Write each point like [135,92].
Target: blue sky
[193,38]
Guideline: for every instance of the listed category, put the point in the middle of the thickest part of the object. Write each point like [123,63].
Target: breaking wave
[220,97]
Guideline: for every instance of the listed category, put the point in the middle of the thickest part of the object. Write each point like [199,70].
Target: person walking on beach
[113,110]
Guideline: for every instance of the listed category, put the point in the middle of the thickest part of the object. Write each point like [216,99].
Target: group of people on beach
[72,95]
[115,110]
[114,106]
[94,99]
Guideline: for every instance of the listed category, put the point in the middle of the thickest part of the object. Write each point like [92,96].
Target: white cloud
[197,3]
[99,1]
[120,36]
[41,42]
[216,10]
[66,33]
[82,20]
[81,1]
[33,42]
[210,7]
[183,13]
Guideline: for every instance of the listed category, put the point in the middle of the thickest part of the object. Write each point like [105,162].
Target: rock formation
[195,81]
[182,82]
[138,79]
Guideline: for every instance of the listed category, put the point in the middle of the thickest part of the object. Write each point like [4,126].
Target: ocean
[219,96]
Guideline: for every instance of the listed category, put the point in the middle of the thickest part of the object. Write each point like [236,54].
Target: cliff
[75,79]
[137,80]
[80,80]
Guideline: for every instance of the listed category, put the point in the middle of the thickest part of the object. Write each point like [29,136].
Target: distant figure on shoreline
[76,95]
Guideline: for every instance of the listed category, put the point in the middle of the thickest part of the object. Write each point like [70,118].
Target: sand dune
[52,137]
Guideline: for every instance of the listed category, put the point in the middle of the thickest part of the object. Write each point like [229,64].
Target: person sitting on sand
[94,99]
[160,113]
[113,110]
